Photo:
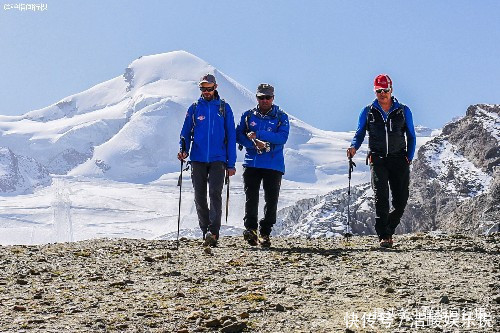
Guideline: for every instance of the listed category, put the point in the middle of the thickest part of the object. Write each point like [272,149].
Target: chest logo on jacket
[201,118]
[253,123]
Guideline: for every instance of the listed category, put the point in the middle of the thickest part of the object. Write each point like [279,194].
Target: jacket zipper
[209,126]
[386,134]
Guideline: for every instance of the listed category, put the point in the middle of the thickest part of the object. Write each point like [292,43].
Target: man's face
[383,95]
[208,90]
[265,102]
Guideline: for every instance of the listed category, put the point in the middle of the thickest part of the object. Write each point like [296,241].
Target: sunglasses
[209,89]
[386,90]
[266,97]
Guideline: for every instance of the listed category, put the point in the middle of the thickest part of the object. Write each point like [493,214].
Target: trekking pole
[226,181]
[179,183]
[348,233]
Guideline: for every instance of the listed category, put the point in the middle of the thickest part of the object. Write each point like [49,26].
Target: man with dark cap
[209,126]
[263,131]
[391,148]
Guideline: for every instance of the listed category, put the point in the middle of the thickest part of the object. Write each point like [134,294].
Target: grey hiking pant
[213,174]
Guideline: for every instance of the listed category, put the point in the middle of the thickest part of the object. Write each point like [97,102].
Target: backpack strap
[222,112]
[194,106]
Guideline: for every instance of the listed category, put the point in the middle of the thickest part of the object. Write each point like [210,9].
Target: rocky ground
[427,283]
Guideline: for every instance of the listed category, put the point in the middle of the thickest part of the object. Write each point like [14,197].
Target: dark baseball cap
[207,78]
[265,89]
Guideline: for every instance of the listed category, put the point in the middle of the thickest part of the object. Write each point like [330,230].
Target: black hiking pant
[212,173]
[271,182]
[394,173]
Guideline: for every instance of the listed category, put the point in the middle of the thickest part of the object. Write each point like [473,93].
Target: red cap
[382,81]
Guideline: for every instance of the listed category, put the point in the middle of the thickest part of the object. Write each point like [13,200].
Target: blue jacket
[388,136]
[273,128]
[214,136]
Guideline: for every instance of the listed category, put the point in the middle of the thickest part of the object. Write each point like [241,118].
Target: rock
[212,323]
[444,300]
[389,290]
[244,315]
[235,327]
[207,250]
[149,259]
[280,307]
[19,308]
[195,315]
[497,299]
[21,282]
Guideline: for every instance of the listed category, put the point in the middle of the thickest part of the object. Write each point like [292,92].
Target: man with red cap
[391,144]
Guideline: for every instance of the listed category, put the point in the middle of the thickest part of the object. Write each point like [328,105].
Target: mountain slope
[20,174]
[456,177]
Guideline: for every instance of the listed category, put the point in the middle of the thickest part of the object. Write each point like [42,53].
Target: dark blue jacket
[387,130]
[214,134]
[273,128]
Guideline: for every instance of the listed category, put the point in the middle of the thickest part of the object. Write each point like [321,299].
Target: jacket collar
[272,113]
[395,105]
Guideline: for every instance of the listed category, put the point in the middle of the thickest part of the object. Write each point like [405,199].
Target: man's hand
[231,171]
[182,155]
[261,145]
[251,135]
[351,151]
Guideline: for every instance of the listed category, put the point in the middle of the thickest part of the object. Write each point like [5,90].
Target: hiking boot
[210,240]
[250,235]
[386,242]
[265,241]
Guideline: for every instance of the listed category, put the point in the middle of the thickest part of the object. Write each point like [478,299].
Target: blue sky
[321,56]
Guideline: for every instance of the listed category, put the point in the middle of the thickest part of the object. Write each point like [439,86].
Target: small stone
[389,290]
[444,300]
[195,315]
[235,327]
[149,259]
[207,250]
[19,308]
[180,294]
[212,323]
[183,330]
[21,282]
[244,315]
[280,307]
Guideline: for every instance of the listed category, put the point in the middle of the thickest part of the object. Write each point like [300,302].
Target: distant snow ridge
[20,174]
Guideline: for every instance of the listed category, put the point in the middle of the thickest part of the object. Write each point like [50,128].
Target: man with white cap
[391,143]
[209,127]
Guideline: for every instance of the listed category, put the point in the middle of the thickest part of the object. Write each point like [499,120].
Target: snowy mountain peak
[179,66]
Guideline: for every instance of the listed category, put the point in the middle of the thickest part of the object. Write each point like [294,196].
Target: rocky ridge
[20,174]
[298,285]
